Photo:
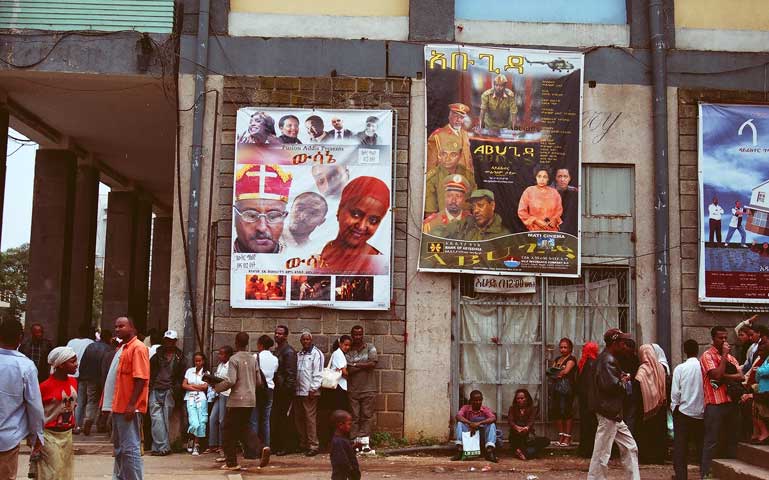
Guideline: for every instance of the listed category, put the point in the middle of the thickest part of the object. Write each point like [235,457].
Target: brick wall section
[696,321]
[385,328]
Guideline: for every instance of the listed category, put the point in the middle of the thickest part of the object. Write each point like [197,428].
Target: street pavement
[298,467]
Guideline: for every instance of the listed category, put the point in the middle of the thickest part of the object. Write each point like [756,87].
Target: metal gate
[505,342]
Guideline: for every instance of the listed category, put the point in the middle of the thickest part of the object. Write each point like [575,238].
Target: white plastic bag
[471,444]
[330,378]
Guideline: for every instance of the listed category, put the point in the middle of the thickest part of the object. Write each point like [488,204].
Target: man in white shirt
[736,223]
[268,364]
[715,211]
[79,344]
[687,400]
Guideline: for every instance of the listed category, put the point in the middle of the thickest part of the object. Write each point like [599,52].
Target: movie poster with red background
[502,170]
[312,209]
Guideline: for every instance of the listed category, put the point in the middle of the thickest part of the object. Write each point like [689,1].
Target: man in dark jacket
[37,348]
[167,369]
[610,388]
[90,375]
[283,435]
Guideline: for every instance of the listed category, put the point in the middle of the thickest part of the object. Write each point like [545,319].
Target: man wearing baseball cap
[167,369]
[483,224]
[606,396]
[455,189]
[453,130]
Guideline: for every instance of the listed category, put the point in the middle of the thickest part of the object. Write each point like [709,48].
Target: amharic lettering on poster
[311,209]
[502,171]
[734,204]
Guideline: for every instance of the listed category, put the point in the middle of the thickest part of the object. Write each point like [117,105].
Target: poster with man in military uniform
[502,167]
[312,209]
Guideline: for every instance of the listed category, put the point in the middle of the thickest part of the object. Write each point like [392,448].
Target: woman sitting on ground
[521,416]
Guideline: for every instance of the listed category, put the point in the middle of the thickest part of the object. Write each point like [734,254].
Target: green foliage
[386,440]
[98,295]
[13,278]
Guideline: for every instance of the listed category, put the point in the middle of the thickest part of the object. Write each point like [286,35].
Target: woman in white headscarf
[59,394]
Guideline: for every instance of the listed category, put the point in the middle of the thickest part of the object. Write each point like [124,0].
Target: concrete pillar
[4,117]
[84,248]
[160,283]
[126,261]
[51,242]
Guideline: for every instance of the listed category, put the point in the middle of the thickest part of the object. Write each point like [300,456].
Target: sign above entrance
[311,209]
[507,285]
[502,170]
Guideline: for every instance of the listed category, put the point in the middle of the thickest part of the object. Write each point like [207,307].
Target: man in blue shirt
[21,411]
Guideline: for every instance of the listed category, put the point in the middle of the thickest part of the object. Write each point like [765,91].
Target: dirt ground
[298,467]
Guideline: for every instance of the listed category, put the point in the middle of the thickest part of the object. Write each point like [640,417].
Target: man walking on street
[167,369]
[361,386]
[90,375]
[37,348]
[125,395]
[609,387]
[687,400]
[720,413]
[309,373]
[243,379]
[79,344]
[21,408]
[283,436]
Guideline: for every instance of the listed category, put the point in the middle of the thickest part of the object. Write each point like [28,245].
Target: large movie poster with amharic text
[312,209]
[502,172]
[734,204]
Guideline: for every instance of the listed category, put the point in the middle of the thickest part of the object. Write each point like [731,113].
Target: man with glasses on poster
[261,196]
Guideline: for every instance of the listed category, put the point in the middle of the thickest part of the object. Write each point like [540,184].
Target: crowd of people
[627,395]
[251,402]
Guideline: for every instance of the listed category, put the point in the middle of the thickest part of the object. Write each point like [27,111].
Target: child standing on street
[197,402]
[344,465]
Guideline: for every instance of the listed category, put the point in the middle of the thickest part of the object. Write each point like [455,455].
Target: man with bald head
[330,179]
[126,392]
[338,134]
[308,212]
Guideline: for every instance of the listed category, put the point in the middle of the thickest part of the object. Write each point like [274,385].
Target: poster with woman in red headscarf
[311,209]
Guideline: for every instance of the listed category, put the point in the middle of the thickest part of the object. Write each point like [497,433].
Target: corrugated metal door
[151,16]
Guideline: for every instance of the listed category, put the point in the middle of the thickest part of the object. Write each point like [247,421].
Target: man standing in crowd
[283,439]
[125,395]
[720,412]
[21,408]
[79,344]
[361,387]
[90,375]
[609,388]
[687,401]
[309,373]
[37,348]
[167,369]
[243,379]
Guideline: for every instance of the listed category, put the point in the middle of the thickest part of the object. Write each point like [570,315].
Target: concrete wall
[387,328]
[327,19]
[717,25]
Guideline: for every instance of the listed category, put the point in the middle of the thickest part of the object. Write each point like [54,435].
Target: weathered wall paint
[718,14]
[353,8]
[557,11]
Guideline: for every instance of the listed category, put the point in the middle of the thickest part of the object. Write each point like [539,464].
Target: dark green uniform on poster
[470,231]
[435,200]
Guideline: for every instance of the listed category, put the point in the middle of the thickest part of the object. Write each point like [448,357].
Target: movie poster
[312,209]
[734,203]
[502,171]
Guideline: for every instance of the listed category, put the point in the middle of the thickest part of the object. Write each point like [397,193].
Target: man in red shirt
[720,412]
[125,394]
[477,419]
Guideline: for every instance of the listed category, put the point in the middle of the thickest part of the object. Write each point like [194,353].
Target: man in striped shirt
[720,412]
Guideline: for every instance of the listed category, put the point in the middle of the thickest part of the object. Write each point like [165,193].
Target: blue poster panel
[734,203]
